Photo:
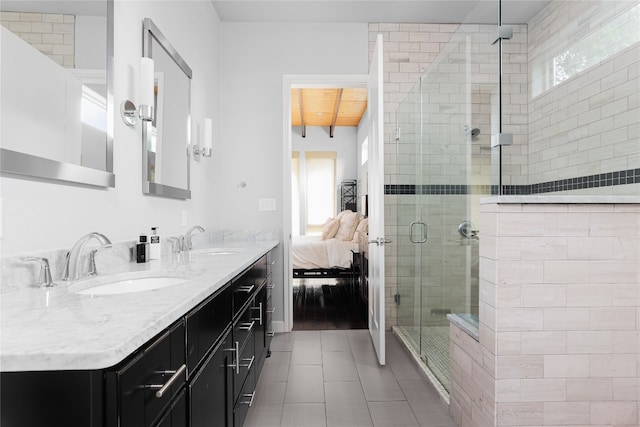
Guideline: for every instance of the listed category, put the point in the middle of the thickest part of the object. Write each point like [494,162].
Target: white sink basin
[216,251]
[140,284]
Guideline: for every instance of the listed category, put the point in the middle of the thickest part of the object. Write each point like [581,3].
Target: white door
[376,202]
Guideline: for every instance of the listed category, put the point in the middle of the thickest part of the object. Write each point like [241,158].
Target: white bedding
[310,252]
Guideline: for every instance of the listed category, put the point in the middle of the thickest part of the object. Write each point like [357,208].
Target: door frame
[296,81]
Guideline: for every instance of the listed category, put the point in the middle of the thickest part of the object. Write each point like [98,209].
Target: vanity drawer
[206,325]
[145,386]
[243,288]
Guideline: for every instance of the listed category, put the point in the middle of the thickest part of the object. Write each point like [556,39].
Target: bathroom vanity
[188,354]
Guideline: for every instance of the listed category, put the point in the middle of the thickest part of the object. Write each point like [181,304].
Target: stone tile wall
[559,318]
[51,34]
[590,123]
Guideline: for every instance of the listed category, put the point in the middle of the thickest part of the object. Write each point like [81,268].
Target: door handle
[162,389]
[380,241]
[246,288]
[259,308]
[236,364]
[424,234]
[249,396]
[246,326]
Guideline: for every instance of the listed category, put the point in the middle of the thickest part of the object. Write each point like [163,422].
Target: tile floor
[332,378]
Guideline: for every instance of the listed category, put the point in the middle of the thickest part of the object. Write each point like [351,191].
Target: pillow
[330,228]
[343,213]
[348,224]
[363,227]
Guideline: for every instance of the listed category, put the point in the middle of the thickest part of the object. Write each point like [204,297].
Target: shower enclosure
[445,164]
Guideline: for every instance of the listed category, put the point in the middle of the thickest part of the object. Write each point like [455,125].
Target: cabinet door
[211,391]
[205,325]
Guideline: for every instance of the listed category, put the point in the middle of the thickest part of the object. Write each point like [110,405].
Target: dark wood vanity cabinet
[199,372]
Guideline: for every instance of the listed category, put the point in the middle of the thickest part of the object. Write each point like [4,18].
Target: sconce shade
[147,82]
[208,134]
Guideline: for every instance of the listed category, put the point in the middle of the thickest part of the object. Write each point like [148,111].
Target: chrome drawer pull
[163,388]
[271,286]
[246,288]
[270,334]
[271,310]
[235,365]
[259,319]
[251,396]
[246,326]
[250,363]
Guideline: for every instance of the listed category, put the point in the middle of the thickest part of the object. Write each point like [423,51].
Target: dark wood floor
[326,304]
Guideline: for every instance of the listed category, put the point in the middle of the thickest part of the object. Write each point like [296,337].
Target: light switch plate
[266,205]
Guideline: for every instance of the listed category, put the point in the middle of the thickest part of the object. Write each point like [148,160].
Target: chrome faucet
[185,241]
[72,268]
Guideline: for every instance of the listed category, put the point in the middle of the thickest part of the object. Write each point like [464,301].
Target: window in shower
[600,43]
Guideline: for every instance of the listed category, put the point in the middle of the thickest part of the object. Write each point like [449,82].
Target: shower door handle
[424,234]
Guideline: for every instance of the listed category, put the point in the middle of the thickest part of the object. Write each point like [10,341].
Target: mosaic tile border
[629,176]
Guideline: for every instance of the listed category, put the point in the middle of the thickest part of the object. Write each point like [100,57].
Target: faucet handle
[175,244]
[45,279]
[92,270]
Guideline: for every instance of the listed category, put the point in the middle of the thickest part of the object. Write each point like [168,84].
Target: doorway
[318,293]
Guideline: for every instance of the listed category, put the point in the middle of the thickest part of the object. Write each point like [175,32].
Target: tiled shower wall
[588,124]
[559,319]
[52,34]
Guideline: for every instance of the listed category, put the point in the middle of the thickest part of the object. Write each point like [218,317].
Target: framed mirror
[167,137]
[57,97]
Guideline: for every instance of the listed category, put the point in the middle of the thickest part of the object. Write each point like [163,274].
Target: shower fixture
[473,132]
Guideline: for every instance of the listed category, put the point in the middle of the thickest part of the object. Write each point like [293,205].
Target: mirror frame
[17,163]
[151,32]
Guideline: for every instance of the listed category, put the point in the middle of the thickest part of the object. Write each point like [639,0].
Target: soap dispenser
[142,248]
[154,244]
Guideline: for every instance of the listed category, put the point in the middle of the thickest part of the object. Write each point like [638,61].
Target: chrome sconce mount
[207,142]
[130,113]
[128,110]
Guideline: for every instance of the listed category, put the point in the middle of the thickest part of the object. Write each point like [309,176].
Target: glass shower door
[444,162]
[409,255]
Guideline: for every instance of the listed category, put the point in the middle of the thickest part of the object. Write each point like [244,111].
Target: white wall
[254,58]
[39,215]
[343,143]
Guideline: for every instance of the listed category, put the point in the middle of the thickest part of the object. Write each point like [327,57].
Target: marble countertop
[61,329]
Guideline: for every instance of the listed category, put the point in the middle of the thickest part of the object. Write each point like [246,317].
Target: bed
[329,255]
[313,257]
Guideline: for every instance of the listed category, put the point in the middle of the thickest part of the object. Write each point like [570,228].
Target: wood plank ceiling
[327,107]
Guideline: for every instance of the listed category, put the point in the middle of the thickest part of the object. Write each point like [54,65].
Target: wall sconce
[207,142]
[128,110]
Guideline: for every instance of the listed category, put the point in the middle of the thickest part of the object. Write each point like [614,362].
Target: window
[320,188]
[605,41]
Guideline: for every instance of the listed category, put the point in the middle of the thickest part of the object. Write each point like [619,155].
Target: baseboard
[278,326]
